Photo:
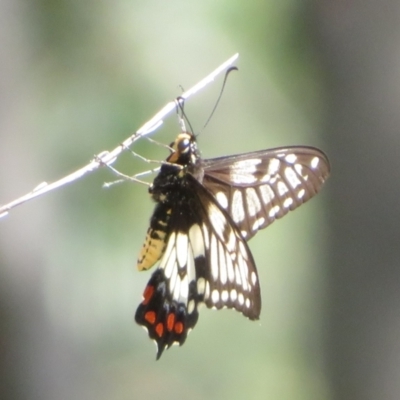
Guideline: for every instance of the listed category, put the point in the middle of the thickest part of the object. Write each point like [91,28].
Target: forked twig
[109,157]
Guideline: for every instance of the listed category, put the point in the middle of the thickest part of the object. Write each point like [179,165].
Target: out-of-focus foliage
[77,77]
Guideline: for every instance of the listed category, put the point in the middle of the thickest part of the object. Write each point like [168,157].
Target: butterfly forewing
[257,188]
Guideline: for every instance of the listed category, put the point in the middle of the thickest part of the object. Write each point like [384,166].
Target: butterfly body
[169,191]
[205,212]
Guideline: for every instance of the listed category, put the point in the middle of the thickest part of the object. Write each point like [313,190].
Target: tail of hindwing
[166,320]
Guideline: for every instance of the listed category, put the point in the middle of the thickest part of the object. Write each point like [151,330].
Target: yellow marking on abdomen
[152,250]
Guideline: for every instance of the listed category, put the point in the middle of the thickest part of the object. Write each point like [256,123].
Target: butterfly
[206,211]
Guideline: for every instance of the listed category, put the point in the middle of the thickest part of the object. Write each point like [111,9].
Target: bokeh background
[77,77]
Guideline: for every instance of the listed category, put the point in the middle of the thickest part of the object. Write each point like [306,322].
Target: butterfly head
[184,150]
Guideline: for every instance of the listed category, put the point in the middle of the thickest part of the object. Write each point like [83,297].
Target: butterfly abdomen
[166,192]
[154,244]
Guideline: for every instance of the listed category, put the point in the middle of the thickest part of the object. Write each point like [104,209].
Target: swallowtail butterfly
[206,211]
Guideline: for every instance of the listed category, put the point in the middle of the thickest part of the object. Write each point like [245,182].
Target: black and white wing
[205,260]
[206,211]
[257,188]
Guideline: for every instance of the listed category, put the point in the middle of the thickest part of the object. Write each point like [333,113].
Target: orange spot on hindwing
[167,320]
[178,328]
[150,317]
[170,321]
[148,294]
[160,329]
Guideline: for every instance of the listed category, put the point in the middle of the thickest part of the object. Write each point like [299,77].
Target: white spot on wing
[242,249]
[206,236]
[181,249]
[196,241]
[217,219]
[288,202]
[190,267]
[215,296]
[247,179]
[170,263]
[237,275]
[231,242]
[233,294]
[229,268]
[243,272]
[184,289]
[292,178]
[243,171]
[265,178]
[222,264]
[222,199]
[267,193]
[170,246]
[253,278]
[177,289]
[273,166]
[201,285]
[273,211]
[237,206]
[241,299]
[253,202]
[257,223]
[255,226]
[314,162]
[174,275]
[291,158]
[282,188]
[248,165]
[214,257]
[301,193]
[224,296]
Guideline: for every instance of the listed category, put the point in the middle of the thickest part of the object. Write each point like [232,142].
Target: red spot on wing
[179,328]
[148,294]
[170,321]
[150,317]
[166,320]
[160,329]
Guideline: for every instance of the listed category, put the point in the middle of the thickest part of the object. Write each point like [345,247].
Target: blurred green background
[78,77]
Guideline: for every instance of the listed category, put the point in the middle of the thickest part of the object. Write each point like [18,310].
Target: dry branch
[109,157]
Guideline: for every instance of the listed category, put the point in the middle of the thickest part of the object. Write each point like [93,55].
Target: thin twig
[109,157]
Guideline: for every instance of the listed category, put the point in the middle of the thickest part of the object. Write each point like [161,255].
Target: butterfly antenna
[229,70]
[180,102]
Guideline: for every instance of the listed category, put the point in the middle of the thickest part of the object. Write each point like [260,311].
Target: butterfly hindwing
[170,299]
[230,269]
[205,260]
